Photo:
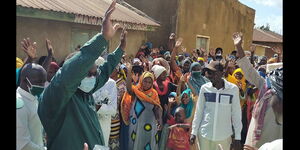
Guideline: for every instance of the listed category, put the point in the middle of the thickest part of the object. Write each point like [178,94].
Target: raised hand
[85,146]
[276,50]
[108,30]
[212,52]
[29,48]
[123,39]
[178,42]
[172,36]
[231,63]
[183,49]
[237,38]
[252,48]
[49,47]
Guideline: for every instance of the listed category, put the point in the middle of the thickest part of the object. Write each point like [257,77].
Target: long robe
[68,114]
[143,133]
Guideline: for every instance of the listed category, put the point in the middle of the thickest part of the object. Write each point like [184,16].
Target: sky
[267,11]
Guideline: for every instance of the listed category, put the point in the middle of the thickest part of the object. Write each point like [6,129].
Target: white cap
[158,70]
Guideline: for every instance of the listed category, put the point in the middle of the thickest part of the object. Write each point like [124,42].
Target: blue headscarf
[197,81]
[149,45]
[188,108]
[262,74]
[18,72]
[183,62]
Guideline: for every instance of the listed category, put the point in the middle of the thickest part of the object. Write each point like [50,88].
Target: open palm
[108,30]
[29,48]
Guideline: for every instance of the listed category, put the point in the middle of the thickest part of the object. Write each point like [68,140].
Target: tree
[266,28]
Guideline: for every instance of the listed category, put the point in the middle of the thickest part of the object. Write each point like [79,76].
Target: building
[265,41]
[201,23]
[68,24]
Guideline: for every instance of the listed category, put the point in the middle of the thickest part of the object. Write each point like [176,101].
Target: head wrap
[276,80]
[149,96]
[201,59]
[19,63]
[136,60]
[158,70]
[195,81]
[163,63]
[149,45]
[167,53]
[262,58]
[188,108]
[234,80]
[53,65]
[172,94]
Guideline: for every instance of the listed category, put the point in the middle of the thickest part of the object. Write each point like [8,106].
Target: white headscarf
[158,70]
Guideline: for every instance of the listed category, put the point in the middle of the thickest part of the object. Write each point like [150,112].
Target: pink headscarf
[54,65]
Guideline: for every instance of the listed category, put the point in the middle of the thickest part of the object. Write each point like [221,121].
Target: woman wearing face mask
[196,79]
[141,110]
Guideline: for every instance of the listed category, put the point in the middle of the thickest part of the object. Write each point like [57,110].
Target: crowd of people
[162,99]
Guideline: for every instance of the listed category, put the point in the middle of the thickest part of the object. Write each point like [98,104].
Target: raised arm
[252,50]
[30,49]
[171,42]
[113,59]
[173,64]
[49,58]
[67,79]
[129,80]
[251,74]
[230,64]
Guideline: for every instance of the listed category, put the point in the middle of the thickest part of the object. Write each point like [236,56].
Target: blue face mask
[87,84]
[35,90]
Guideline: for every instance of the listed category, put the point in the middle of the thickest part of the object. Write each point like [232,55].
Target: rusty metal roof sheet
[91,8]
[266,36]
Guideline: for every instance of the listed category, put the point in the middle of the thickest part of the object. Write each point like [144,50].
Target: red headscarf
[54,65]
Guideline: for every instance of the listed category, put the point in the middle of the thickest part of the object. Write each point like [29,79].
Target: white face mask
[87,84]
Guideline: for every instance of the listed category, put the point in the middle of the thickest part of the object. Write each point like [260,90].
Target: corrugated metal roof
[266,36]
[91,8]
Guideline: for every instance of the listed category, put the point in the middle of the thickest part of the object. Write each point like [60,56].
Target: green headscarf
[188,108]
[197,80]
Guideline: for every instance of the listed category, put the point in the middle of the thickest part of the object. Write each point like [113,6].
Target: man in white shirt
[29,127]
[218,109]
[106,103]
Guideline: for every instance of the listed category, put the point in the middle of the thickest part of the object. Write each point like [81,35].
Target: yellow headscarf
[232,79]
[149,96]
[201,58]
[19,63]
